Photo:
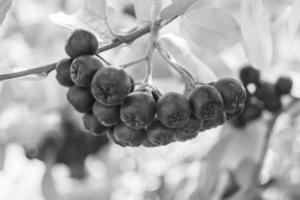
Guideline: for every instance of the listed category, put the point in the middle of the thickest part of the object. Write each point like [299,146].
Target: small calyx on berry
[63,72]
[83,69]
[232,92]
[173,110]
[91,123]
[138,110]
[80,98]
[206,102]
[158,134]
[110,86]
[81,42]
[106,115]
[128,136]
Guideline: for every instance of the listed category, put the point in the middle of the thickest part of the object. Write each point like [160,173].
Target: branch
[35,71]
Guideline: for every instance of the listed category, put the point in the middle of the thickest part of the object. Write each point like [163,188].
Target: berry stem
[154,34]
[103,59]
[133,62]
[185,73]
[35,71]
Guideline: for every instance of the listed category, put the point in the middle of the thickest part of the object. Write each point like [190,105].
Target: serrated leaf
[143,9]
[256,33]
[179,50]
[178,7]
[211,27]
[4,7]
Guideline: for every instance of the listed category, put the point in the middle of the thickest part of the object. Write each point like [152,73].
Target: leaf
[256,33]
[143,9]
[178,7]
[211,27]
[92,16]
[4,7]
[178,49]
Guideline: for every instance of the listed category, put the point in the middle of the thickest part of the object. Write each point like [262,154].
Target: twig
[133,62]
[39,70]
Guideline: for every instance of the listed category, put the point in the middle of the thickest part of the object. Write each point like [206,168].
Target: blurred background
[46,154]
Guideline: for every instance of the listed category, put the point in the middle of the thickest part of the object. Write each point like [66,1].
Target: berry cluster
[71,149]
[261,95]
[140,116]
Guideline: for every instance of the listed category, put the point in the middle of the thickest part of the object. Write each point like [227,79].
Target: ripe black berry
[266,92]
[190,130]
[206,102]
[251,112]
[110,86]
[80,98]
[81,42]
[283,85]
[63,72]
[138,110]
[159,134]
[214,122]
[173,110]
[232,92]
[128,136]
[249,74]
[91,123]
[147,143]
[106,115]
[230,116]
[83,69]
[111,135]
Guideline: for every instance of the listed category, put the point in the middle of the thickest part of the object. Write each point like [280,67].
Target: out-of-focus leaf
[283,142]
[93,16]
[179,50]
[211,27]
[246,174]
[143,10]
[294,21]
[256,33]
[178,7]
[4,7]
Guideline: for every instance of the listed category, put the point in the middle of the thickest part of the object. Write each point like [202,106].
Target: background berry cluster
[261,95]
[134,116]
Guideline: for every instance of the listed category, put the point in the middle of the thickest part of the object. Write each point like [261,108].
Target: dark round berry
[232,92]
[266,92]
[214,122]
[80,98]
[190,130]
[83,69]
[63,75]
[251,112]
[283,85]
[249,74]
[206,102]
[138,110]
[91,123]
[173,110]
[230,116]
[111,135]
[129,10]
[147,143]
[159,134]
[128,136]
[81,42]
[110,86]
[106,115]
